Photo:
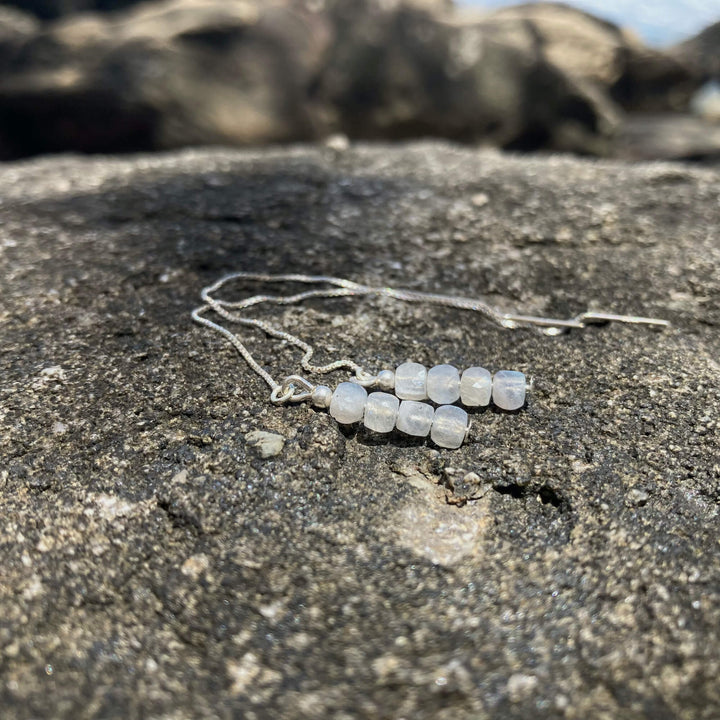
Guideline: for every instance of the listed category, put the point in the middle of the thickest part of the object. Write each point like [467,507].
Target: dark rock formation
[171,73]
[401,73]
[177,73]
[185,72]
[164,554]
[585,47]
[702,52]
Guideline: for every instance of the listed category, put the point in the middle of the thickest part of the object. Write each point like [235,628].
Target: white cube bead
[411,381]
[381,410]
[415,418]
[476,387]
[508,390]
[443,384]
[348,403]
[449,426]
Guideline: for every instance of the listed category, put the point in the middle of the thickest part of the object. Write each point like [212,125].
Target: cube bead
[443,384]
[381,411]
[508,390]
[476,387]
[348,403]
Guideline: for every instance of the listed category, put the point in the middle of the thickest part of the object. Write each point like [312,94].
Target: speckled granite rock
[564,563]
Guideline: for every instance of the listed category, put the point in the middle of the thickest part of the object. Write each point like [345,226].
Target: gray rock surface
[562,564]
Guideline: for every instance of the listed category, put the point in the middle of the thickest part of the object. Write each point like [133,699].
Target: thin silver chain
[295,388]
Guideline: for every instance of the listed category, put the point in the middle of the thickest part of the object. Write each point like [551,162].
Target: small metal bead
[321,396]
[386,380]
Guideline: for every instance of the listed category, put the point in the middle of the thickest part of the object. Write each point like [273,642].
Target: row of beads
[381,412]
[444,385]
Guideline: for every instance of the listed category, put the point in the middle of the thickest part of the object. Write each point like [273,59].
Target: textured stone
[601,54]
[268,444]
[562,563]
[701,52]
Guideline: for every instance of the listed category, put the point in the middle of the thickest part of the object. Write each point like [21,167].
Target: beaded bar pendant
[447,425]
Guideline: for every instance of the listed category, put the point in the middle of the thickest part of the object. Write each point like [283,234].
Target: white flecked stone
[508,390]
[449,426]
[443,384]
[381,410]
[476,387]
[415,418]
[411,381]
[348,403]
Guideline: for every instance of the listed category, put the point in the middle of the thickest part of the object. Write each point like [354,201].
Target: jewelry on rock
[412,383]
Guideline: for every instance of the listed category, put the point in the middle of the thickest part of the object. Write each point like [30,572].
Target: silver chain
[295,388]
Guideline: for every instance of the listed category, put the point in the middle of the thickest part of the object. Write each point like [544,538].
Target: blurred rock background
[118,76]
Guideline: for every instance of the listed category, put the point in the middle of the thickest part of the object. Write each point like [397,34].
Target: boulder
[583,46]
[176,546]
[163,75]
[669,136]
[185,72]
[702,52]
[403,73]
[54,9]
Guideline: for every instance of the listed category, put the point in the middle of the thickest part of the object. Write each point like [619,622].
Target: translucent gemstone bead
[508,390]
[476,387]
[381,409]
[410,381]
[348,402]
[415,418]
[450,424]
[443,384]
[386,380]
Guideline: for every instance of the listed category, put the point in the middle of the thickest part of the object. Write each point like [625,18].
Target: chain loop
[289,390]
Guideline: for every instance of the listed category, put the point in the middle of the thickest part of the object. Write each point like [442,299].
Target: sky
[658,22]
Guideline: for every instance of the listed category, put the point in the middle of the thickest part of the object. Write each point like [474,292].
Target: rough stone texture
[563,563]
